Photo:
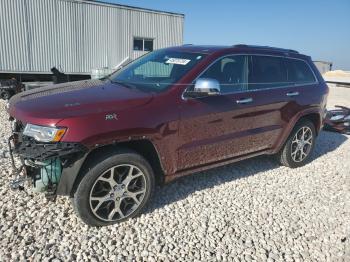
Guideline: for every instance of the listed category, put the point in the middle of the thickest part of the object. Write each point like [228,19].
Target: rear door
[269,87]
[282,87]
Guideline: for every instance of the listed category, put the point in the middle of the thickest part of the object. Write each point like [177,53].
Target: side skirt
[185,172]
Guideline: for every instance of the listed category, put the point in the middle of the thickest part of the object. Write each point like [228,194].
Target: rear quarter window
[299,72]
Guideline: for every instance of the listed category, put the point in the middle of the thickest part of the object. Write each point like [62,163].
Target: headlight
[44,133]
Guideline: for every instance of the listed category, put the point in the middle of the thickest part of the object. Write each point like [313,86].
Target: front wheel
[114,189]
[297,150]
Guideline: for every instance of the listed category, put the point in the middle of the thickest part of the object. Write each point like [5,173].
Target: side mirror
[205,87]
[208,86]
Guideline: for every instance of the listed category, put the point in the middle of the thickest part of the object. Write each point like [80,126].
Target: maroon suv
[175,111]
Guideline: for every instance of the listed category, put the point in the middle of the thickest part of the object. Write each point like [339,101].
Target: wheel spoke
[104,179]
[134,195]
[100,200]
[304,132]
[115,210]
[111,214]
[295,140]
[110,179]
[131,176]
[308,140]
[121,215]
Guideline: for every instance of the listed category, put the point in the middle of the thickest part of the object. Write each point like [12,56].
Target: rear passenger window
[299,72]
[267,72]
[231,73]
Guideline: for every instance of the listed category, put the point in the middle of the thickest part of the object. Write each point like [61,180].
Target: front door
[214,128]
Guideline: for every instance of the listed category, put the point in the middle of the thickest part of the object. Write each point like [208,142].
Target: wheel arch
[315,118]
[312,115]
[143,147]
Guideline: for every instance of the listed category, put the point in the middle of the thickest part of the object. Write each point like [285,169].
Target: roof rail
[266,48]
[186,44]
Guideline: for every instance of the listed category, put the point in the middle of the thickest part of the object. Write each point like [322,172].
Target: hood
[48,105]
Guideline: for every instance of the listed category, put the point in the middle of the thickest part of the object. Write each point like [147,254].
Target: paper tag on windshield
[178,61]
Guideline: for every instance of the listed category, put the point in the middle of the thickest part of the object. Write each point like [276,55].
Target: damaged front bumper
[50,167]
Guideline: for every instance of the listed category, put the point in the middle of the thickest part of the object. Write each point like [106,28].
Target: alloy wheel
[301,144]
[117,192]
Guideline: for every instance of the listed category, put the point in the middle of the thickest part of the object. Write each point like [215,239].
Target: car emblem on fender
[111,117]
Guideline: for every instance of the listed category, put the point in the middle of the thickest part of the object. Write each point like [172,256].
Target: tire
[290,154]
[123,196]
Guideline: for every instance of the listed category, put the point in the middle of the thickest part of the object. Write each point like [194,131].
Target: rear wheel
[114,189]
[297,150]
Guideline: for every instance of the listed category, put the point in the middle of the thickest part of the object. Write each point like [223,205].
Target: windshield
[157,70]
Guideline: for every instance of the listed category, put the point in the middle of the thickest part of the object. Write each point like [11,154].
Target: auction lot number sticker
[178,61]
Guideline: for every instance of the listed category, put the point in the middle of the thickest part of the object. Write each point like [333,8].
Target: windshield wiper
[125,84]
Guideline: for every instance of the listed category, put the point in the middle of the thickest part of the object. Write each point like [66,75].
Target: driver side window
[231,73]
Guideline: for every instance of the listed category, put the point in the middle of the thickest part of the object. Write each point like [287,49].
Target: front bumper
[39,161]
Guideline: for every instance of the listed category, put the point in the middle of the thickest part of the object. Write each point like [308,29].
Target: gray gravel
[252,210]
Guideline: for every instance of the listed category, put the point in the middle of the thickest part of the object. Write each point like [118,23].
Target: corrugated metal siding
[77,36]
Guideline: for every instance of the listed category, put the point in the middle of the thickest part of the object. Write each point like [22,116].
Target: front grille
[29,148]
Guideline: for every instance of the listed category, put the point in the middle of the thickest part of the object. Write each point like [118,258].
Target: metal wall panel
[77,36]
[14,52]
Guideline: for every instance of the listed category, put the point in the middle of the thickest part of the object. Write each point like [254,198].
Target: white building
[77,36]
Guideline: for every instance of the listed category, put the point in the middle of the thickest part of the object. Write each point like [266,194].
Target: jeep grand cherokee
[175,111]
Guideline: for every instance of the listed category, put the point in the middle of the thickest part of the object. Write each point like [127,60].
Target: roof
[205,49]
[208,49]
[98,2]
[268,48]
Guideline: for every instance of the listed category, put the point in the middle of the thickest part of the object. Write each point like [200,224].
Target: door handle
[244,101]
[293,94]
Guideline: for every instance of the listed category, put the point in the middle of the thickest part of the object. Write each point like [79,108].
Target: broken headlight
[44,133]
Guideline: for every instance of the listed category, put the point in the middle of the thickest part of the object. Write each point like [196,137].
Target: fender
[75,171]
[69,175]
[291,124]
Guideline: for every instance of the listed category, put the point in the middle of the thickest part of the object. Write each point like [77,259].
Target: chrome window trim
[253,90]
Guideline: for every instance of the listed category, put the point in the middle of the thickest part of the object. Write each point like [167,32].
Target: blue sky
[317,28]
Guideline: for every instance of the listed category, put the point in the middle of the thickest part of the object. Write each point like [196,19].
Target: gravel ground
[252,210]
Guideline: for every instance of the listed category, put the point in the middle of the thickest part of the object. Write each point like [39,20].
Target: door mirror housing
[208,86]
[205,87]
